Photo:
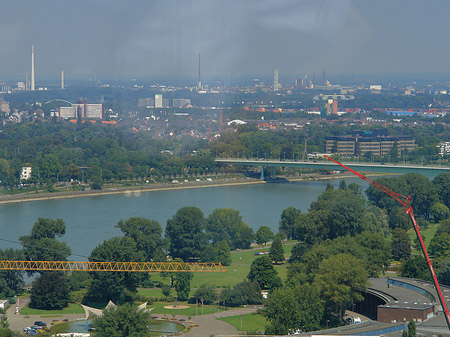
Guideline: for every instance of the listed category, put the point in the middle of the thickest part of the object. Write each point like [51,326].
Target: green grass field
[236,272]
[427,234]
[71,309]
[250,322]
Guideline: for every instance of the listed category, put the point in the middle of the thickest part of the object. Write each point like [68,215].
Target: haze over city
[164,38]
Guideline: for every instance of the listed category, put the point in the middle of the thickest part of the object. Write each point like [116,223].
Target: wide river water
[91,220]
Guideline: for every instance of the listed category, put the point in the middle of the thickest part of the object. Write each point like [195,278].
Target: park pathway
[17,321]
[209,324]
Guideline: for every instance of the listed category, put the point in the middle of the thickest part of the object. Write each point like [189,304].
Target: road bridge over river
[426,170]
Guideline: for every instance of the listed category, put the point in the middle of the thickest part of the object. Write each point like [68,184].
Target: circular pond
[157,327]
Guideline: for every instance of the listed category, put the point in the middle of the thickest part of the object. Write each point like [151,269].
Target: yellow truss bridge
[112,266]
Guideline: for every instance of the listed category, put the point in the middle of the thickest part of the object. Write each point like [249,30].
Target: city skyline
[165,38]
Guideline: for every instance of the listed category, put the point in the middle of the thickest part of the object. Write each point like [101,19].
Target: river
[91,220]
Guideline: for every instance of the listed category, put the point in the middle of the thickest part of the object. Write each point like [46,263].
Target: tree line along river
[91,220]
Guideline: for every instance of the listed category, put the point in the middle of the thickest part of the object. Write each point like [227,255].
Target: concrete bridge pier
[262,172]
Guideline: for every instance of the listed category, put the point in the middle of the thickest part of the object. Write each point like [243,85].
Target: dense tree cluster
[427,197]
[102,153]
[337,212]
[245,292]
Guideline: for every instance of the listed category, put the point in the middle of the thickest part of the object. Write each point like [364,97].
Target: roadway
[426,170]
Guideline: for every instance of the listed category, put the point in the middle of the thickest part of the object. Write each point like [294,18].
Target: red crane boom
[406,203]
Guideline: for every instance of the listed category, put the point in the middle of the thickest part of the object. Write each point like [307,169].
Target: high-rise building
[82,110]
[334,110]
[275,80]
[299,83]
[32,69]
[4,106]
[158,101]
[181,102]
[377,142]
[147,102]
[200,87]
[220,118]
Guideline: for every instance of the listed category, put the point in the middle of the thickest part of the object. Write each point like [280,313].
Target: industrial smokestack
[62,79]
[32,68]
[199,74]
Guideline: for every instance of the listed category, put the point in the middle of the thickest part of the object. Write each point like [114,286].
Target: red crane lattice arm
[406,203]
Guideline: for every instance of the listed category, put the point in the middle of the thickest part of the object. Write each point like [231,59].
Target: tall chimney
[199,74]
[27,83]
[32,68]
[62,79]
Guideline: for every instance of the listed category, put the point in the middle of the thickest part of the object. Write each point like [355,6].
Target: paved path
[17,321]
[209,324]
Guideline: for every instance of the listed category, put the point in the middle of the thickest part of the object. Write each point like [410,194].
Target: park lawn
[71,309]
[191,311]
[247,256]
[250,322]
[282,270]
[237,272]
[427,234]
[152,292]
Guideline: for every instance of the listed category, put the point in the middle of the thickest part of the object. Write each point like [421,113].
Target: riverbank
[134,190]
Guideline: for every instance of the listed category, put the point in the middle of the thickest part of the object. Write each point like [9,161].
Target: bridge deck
[429,171]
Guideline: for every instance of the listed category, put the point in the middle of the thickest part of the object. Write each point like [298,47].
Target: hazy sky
[164,37]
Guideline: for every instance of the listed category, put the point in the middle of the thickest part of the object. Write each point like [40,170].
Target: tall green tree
[415,267]
[49,167]
[12,279]
[276,252]
[343,279]
[444,273]
[289,309]
[148,237]
[50,291]
[339,213]
[219,252]
[439,212]
[41,244]
[297,252]
[401,244]
[205,293]
[185,232]
[282,310]
[115,286]
[377,249]
[440,245]
[412,329]
[245,292]
[227,224]
[182,282]
[442,184]
[423,194]
[123,321]
[287,222]
[263,235]
[262,271]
